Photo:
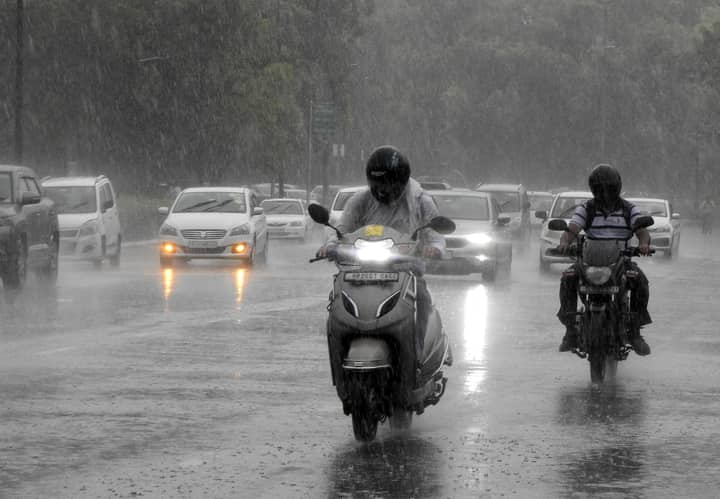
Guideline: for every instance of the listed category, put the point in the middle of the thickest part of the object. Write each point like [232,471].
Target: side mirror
[319,214]
[542,214]
[442,225]
[503,220]
[675,216]
[163,210]
[107,205]
[29,198]
[526,205]
[258,211]
[643,221]
[557,224]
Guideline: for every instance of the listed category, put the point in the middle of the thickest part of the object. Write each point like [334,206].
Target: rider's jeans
[639,296]
[424,307]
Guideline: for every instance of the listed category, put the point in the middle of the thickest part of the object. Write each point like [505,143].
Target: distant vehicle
[539,201]
[270,189]
[480,242]
[28,228]
[88,217]
[563,206]
[214,222]
[286,218]
[316,194]
[296,194]
[665,233]
[338,204]
[433,183]
[513,202]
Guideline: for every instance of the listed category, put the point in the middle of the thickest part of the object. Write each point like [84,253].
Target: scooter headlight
[478,238]
[598,275]
[373,251]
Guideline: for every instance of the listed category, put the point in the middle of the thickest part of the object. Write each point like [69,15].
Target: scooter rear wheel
[364,425]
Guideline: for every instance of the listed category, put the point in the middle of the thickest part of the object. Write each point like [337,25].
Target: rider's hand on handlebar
[431,252]
[644,249]
[326,251]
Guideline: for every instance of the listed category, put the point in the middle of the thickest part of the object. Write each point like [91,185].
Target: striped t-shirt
[606,225]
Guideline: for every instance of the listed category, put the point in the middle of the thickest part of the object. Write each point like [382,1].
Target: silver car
[665,232]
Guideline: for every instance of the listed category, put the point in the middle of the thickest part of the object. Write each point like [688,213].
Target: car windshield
[73,199]
[281,207]
[463,207]
[216,201]
[508,201]
[540,202]
[565,207]
[656,208]
[5,188]
[341,199]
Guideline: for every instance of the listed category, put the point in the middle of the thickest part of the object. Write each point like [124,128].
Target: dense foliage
[188,91]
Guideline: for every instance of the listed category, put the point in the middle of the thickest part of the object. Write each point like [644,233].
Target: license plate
[371,276]
[202,244]
[592,290]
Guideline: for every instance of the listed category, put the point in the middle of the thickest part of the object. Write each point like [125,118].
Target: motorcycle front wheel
[364,425]
[597,355]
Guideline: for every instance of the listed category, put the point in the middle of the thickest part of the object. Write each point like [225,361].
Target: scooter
[605,320]
[379,367]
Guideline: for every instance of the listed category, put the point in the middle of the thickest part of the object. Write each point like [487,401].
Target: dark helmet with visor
[605,184]
[388,173]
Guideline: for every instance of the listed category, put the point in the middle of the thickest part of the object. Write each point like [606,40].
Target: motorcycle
[604,321]
[380,368]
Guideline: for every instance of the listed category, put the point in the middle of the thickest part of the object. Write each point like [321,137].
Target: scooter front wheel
[364,425]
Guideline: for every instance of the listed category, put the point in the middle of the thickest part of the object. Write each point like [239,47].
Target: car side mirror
[163,210]
[675,216]
[258,211]
[107,205]
[542,214]
[503,220]
[643,221]
[526,205]
[29,198]
[557,224]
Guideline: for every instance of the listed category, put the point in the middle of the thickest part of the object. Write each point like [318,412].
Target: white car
[563,207]
[665,232]
[88,218]
[481,241]
[214,222]
[286,218]
[338,205]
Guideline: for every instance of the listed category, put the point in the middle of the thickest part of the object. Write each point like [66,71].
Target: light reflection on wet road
[209,380]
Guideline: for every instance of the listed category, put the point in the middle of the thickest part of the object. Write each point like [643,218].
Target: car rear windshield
[656,208]
[281,207]
[73,199]
[565,207]
[341,199]
[508,201]
[216,202]
[5,188]
[463,207]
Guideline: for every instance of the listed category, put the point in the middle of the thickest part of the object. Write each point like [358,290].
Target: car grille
[276,224]
[68,233]
[455,242]
[660,241]
[204,251]
[204,234]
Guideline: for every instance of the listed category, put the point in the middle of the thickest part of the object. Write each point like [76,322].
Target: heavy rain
[176,320]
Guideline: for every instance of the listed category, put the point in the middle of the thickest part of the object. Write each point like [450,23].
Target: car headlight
[88,228]
[598,275]
[296,223]
[478,238]
[661,228]
[168,230]
[241,230]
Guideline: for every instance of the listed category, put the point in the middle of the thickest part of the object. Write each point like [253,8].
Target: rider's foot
[569,341]
[639,345]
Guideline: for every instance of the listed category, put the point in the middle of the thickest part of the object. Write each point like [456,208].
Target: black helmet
[388,172]
[606,185]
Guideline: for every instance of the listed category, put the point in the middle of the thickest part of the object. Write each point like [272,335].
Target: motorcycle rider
[395,200]
[612,218]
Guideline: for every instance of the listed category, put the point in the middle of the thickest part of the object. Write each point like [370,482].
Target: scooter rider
[606,216]
[394,200]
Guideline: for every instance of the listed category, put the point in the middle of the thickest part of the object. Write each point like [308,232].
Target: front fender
[367,353]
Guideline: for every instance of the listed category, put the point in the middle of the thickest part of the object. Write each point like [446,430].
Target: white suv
[88,218]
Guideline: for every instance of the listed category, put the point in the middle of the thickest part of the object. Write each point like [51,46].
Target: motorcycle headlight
[168,230]
[598,275]
[478,238]
[373,251]
[88,228]
[240,230]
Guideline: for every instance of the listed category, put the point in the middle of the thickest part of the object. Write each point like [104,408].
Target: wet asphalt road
[213,381]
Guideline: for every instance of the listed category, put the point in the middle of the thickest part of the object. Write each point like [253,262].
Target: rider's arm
[569,235]
[643,240]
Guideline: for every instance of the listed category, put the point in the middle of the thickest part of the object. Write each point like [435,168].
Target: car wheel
[266,249]
[49,271]
[14,275]
[115,259]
